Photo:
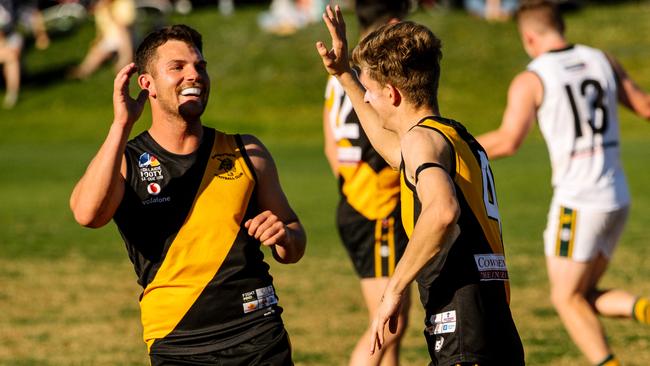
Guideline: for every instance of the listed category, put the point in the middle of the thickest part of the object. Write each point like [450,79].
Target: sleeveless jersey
[367,183]
[579,121]
[465,289]
[206,285]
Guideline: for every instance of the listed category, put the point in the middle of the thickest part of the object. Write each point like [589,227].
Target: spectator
[286,16]
[31,16]
[11,45]
[492,10]
[113,19]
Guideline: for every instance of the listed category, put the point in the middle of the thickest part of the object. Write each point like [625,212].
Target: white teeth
[191,91]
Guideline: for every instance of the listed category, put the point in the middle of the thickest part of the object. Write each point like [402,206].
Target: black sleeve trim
[424,166]
[244,154]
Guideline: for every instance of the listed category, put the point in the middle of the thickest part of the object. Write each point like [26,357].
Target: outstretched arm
[98,193]
[629,93]
[524,95]
[337,63]
[277,226]
[436,226]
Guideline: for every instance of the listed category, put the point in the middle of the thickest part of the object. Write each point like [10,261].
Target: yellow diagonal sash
[201,245]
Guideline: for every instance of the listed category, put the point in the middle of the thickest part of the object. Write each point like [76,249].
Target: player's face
[180,79]
[376,95]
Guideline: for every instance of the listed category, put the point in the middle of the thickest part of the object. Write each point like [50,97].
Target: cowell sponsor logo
[491,267]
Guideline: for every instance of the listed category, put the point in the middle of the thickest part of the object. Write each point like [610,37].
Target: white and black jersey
[579,121]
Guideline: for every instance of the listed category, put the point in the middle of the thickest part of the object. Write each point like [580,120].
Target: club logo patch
[227,168]
[150,168]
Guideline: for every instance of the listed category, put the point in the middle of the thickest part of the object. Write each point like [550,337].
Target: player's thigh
[567,277]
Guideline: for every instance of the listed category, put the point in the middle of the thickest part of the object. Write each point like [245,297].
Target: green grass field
[68,295]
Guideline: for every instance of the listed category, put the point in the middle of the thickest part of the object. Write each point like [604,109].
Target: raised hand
[336,60]
[127,110]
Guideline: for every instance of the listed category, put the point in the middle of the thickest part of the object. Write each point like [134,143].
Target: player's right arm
[98,193]
[629,93]
[336,62]
[524,96]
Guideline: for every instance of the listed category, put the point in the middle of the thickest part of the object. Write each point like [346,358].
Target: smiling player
[193,205]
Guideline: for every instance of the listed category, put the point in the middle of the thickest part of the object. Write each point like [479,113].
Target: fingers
[123,76]
[267,228]
[377,334]
[322,50]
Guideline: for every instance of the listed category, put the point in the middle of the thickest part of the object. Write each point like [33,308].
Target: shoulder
[526,84]
[258,154]
[526,80]
[252,142]
[423,143]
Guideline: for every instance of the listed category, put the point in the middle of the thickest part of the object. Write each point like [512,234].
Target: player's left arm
[277,226]
[629,93]
[427,157]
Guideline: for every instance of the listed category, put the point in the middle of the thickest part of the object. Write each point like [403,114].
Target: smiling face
[178,84]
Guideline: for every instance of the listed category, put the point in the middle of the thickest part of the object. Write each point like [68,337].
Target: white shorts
[582,234]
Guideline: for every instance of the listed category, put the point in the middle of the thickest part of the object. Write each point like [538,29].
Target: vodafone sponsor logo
[491,267]
[153,189]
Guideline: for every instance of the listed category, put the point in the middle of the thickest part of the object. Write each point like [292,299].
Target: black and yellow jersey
[465,289]
[367,184]
[206,285]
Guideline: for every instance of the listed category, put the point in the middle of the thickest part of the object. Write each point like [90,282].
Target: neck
[177,135]
[410,117]
[553,41]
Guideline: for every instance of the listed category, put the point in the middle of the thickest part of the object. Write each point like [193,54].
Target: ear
[394,94]
[529,37]
[146,82]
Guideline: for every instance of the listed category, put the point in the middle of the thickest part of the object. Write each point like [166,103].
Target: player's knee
[562,299]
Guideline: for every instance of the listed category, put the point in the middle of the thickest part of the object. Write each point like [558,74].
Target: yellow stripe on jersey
[373,194]
[208,232]
[378,234]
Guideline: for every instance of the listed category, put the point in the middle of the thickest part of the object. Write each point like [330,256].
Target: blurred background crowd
[121,24]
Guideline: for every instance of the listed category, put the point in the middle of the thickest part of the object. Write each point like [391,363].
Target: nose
[366,97]
[192,73]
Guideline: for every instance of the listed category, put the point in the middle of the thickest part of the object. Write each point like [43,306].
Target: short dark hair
[544,14]
[406,55]
[179,32]
[372,14]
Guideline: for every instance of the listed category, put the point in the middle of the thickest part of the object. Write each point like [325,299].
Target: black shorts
[473,327]
[374,246]
[271,348]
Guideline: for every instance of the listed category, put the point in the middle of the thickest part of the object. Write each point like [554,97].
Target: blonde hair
[405,55]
